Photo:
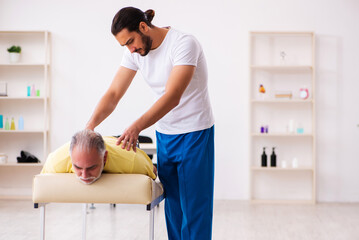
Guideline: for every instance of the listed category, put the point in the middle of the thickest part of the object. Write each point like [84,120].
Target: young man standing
[174,66]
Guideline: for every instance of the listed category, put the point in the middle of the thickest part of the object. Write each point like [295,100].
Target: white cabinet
[284,64]
[31,71]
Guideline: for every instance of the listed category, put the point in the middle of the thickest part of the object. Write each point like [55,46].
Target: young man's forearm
[176,85]
[109,101]
[158,110]
[179,79]
[104,108]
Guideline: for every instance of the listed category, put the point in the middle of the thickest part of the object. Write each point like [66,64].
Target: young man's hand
[129,138]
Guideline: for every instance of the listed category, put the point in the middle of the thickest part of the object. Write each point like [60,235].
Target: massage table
[109,188]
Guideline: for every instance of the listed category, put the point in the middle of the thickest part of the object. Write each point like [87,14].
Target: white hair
[86,140]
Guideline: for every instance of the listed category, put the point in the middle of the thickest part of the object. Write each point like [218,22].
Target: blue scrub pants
[186,169]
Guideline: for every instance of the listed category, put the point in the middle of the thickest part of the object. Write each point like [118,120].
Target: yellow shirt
[118,160]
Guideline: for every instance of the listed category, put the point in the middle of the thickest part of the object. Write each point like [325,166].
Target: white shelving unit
[33,69]
[282,61]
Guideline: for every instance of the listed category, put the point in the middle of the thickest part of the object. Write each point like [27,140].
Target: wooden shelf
[281,135]
[24,65]
[282,67]
[24,31]
[279,34]
[282,62]
[33,69]
[281,201]
[281,169]
[21,165]
[283,101]
[21,98]
[22,131]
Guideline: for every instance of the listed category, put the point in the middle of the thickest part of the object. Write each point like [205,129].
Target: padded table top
[109,188]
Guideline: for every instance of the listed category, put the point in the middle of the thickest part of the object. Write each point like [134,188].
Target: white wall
[86,56]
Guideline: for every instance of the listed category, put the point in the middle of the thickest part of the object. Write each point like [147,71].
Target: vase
[14,57]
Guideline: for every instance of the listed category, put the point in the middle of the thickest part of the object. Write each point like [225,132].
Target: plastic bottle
[33,91]
[295,163]
[264,158]
[273,159]
[262,129]
[12,127]
[284,164]
[21,123]
[29,91]
[300,129]
[1,122]
[7,124]
[291,126]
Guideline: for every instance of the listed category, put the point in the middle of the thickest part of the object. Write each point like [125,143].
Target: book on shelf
[283,94]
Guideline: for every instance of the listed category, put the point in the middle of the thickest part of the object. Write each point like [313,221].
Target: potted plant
[14,53]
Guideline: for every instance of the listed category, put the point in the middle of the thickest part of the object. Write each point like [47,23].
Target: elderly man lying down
[89,154]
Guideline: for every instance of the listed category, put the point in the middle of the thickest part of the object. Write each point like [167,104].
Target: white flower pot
[3,158]
[14,57]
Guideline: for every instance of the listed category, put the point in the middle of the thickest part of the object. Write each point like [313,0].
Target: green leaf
[14,49]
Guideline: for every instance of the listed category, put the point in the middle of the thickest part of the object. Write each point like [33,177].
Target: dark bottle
[264,158]
[273,159]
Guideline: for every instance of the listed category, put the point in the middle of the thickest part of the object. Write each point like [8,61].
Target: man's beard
[94,179]
[147,44]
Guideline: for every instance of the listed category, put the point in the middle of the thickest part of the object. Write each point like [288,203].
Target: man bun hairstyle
[149,15]
[130,18]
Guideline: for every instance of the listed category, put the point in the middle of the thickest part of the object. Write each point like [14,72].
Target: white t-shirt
[194,111]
